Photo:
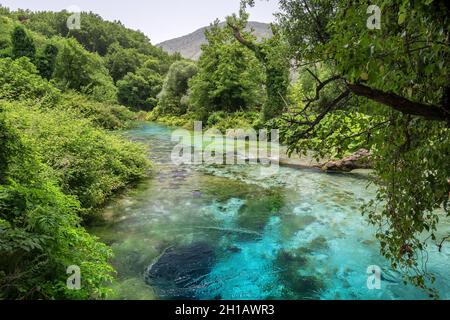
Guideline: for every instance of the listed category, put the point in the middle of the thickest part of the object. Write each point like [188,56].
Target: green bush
[106,115]
[19,80]
[40,234]
[89,163]
[238,120]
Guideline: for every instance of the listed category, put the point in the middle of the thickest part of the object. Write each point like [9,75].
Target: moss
[297,285]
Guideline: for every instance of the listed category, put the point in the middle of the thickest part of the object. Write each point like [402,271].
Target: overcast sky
[159,19]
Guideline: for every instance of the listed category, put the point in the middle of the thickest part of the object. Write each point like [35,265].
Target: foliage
[22,44]
[87,162]
[80,70]
[140,90]
[273,56]
[105,115]
[95,35]
[121,61]
[243,120]
[173,97]
[184,121]
[40,234]
[46,61]
[19,80]
[58,164]
[229,77]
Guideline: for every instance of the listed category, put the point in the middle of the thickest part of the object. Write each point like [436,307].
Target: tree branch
[312,124]
[442,243]
[237,34]
[403,105]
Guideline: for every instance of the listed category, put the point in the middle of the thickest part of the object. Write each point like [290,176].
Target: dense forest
[330,84]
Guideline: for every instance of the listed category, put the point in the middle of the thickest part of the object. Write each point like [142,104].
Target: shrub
[19,80]
[88,162]
[40,234]
[106,115]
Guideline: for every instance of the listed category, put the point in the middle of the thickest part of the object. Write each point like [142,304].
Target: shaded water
[223,232]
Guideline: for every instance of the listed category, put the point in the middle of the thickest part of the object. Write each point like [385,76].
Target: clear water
[297,235]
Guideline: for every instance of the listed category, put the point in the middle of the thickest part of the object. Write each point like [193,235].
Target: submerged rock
[179,271]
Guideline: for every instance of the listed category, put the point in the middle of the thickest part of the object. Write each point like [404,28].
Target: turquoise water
[225,232]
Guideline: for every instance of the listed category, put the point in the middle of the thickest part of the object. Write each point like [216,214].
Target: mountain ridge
[189,46]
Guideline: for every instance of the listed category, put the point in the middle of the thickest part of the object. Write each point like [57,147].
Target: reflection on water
[223,232]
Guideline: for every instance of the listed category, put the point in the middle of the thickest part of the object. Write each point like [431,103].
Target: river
[225,232]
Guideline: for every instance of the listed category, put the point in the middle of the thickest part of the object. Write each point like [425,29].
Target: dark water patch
[291,263]
[285,257]
[303,288]
[292,223]
[256,212]
[178,273]
[319,243]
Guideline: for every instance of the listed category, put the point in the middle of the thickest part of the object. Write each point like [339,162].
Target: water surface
[225,232]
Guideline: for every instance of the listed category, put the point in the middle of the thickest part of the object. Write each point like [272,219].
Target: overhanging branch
[403,105]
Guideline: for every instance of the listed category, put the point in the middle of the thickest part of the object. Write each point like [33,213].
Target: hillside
[189,46]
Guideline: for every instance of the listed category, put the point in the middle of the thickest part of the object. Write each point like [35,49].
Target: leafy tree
[272,53]
[140,90]
[96,34]
[393,84]
[121,61]
[229,77]
[175,88]
[85,72]
[46,62]
[22,44]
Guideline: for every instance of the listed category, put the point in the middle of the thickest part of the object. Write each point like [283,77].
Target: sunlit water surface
[225,232]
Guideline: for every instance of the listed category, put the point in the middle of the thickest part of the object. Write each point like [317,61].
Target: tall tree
[46,61]
[229,77]
[272,54]
[139,90]
[175,88]
[388,88]
[22,44]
